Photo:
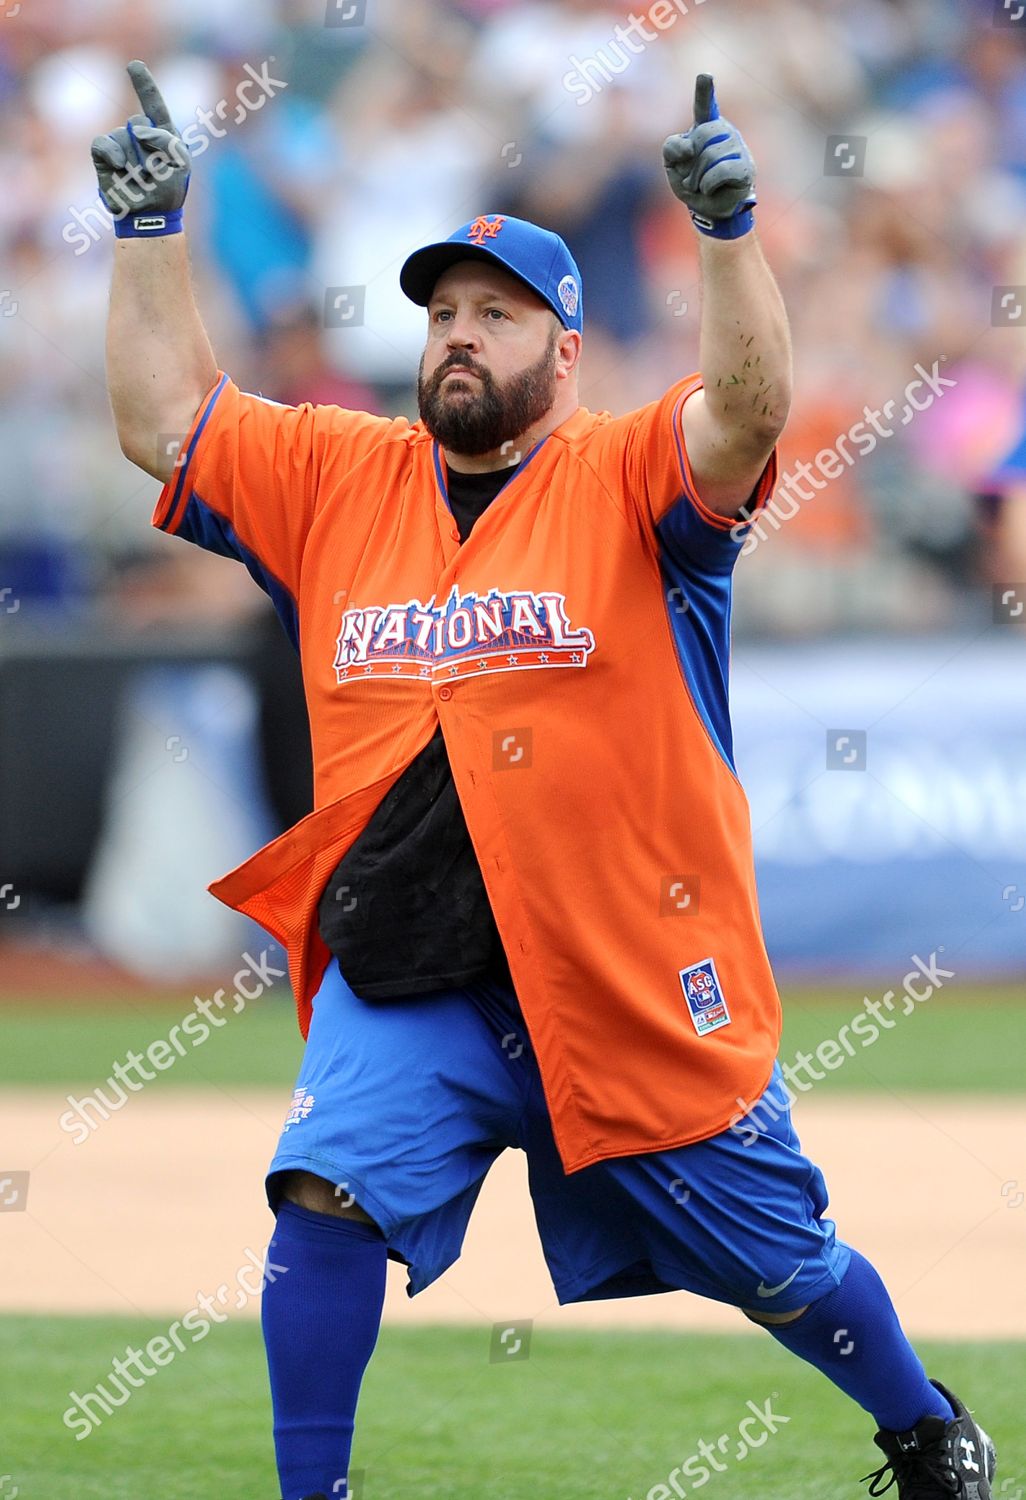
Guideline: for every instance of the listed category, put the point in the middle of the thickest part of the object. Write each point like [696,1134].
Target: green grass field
[585,1417]
[588,1416]
[966,1040]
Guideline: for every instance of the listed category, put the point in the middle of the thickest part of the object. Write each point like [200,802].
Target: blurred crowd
[890,138]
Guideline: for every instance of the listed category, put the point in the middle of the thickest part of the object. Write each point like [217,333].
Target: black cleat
[937,1460]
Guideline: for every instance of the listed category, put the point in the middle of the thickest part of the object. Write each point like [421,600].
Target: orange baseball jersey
[574,651]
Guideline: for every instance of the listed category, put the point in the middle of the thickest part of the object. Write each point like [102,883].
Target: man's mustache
[455,362]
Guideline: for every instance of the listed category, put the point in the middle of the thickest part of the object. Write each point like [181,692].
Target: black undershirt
[471,494]
[406,911]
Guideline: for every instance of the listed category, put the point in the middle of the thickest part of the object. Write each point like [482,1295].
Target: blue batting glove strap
[740,223]
[149,226]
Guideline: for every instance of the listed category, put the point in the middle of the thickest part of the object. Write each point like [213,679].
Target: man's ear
[568,351]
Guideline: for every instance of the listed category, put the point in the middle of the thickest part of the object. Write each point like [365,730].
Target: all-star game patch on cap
[537,256]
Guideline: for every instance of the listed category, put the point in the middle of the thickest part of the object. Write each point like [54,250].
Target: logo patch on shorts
[302,1104]
[702,991]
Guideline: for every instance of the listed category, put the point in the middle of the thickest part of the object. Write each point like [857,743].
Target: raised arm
[159,360]
[733,423]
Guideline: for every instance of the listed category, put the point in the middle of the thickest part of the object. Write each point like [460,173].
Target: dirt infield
[164,1202]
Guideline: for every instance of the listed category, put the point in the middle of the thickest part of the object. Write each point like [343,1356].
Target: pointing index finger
[706,107]
[149,96]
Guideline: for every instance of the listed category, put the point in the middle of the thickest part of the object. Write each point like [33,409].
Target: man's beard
[483,421]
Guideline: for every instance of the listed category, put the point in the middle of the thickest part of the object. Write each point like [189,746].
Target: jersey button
[445,693]
[454,534]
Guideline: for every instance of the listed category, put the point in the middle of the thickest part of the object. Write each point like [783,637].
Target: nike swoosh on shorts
[762,1290]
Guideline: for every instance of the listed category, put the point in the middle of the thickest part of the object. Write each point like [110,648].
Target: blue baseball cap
[536,256]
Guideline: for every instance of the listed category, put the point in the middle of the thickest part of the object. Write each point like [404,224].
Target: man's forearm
[745,342]
[159,360]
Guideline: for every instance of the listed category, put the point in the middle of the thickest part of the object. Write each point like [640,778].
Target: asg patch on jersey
[705,999]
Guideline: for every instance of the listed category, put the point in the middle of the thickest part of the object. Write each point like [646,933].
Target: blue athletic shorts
[405,1105]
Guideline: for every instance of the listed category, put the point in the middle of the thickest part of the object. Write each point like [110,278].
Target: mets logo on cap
[485,228]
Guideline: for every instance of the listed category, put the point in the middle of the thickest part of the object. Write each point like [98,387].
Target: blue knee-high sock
[853,1335]
[320,1319]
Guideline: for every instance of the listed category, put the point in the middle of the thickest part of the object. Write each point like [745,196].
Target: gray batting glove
[711,170]
[144,167]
